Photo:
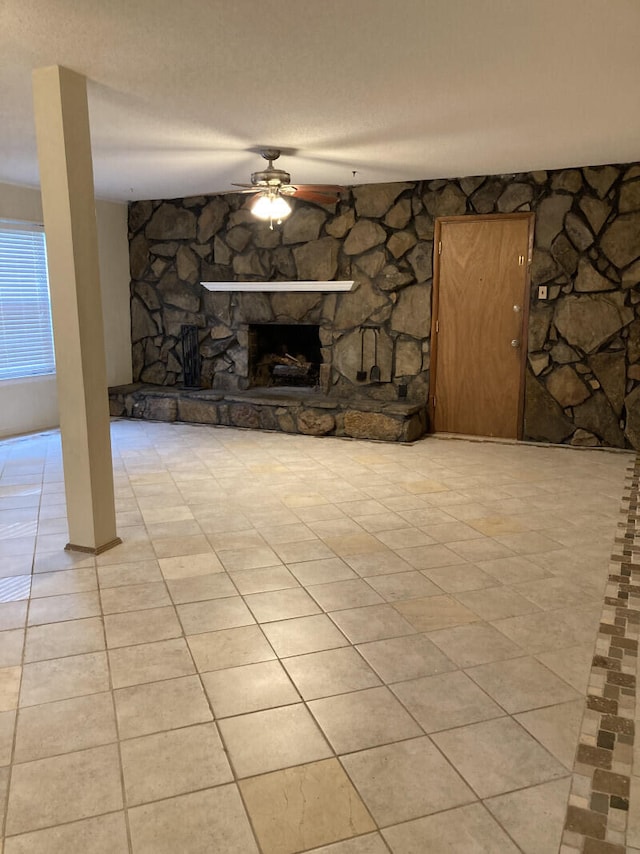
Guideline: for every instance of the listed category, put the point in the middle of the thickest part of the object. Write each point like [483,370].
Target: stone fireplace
[177,245]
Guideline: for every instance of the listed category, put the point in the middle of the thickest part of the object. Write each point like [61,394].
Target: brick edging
[596,821]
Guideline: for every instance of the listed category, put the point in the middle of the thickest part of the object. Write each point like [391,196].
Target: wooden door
[479,327]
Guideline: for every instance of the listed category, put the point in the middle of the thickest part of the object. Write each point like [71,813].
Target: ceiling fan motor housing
[270,178]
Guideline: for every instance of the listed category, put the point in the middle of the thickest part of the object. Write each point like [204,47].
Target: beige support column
[66,181]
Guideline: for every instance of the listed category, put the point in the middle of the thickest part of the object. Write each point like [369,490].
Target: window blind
[26,340]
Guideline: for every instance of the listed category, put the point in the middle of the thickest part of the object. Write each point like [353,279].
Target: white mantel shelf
[261,287]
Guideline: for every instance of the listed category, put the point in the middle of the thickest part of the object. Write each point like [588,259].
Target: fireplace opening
[284,354]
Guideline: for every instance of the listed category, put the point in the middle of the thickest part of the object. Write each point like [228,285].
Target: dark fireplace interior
[284,354]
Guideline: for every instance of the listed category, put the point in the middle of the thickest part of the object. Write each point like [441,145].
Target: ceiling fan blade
[249,186]
[331,189]
[313,196]
[234,192]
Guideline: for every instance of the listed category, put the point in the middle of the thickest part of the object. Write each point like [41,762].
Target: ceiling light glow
[271,206]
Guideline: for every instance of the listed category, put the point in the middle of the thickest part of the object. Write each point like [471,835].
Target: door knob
[515,343]
[517,308]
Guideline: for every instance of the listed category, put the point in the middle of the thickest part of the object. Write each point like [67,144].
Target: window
[26,341]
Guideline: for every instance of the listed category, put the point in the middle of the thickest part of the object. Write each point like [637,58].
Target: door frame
[435,304]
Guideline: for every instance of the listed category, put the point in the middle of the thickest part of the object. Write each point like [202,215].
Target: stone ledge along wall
[583,373]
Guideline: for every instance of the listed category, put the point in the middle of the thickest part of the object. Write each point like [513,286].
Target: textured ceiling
[182,93]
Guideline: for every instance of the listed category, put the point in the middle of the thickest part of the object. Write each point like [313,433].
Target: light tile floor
[301,644]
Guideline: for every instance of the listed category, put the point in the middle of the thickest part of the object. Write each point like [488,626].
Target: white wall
[31,404]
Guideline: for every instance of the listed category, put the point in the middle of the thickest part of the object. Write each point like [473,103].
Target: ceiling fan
[273,185]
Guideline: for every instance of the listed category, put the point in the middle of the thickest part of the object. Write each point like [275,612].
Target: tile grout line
[116,723]
[598,809]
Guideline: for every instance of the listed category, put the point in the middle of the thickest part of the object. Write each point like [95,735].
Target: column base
[72,547]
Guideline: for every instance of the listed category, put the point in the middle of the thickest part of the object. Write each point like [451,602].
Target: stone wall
[583,378]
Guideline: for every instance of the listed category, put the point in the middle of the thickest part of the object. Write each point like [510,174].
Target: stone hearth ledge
[287,410]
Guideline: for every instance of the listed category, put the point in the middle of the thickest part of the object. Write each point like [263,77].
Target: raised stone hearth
[287,410]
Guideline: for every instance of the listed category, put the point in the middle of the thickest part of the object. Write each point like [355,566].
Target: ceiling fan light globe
[270,207]
[280,208]
[261,208]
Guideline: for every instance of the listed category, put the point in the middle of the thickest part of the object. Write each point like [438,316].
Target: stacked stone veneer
[583,377]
